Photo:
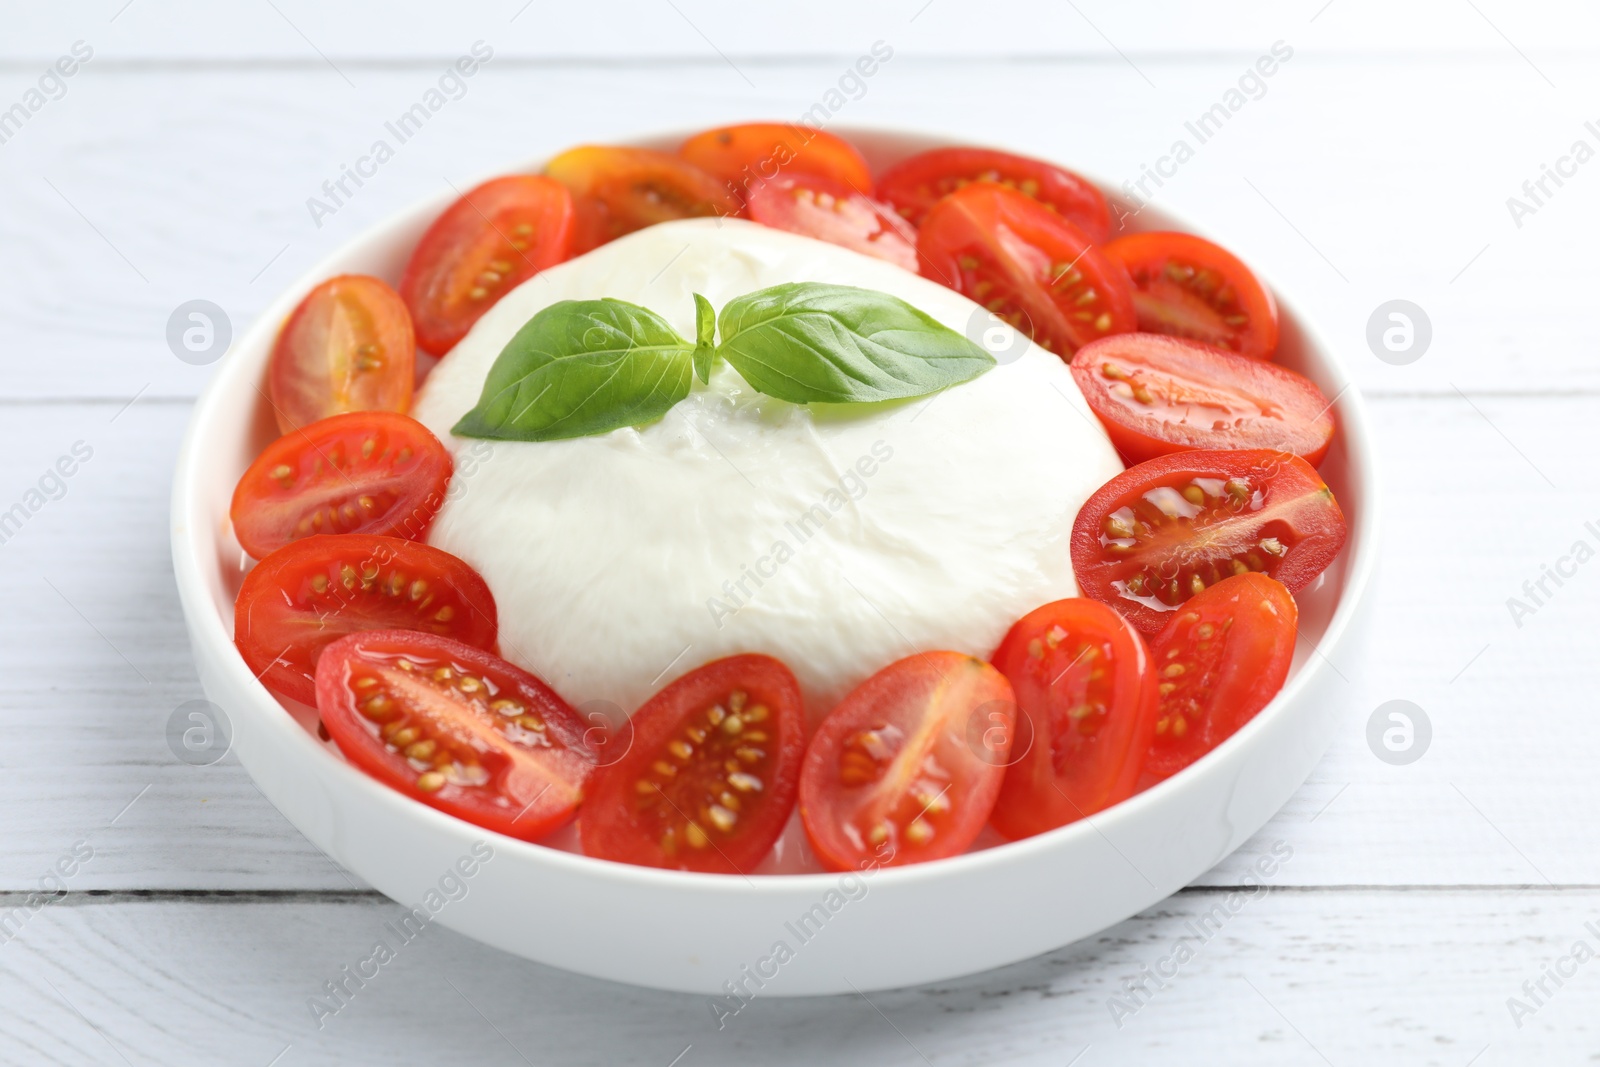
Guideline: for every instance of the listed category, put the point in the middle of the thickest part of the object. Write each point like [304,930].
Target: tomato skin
[470,257]
[296,602]
[1156,394]
[914,185]
[1160,532]
[348,346]
[893,776]
[619,190]
[373,472]
[1232,646]
[1032,268]
[1086,705]
[745,773]
[830,211]
[1186,286]
[747,156]
[527,754]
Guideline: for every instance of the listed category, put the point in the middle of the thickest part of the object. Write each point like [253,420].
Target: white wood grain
[1290,978]
[1348,183]
[1505,795]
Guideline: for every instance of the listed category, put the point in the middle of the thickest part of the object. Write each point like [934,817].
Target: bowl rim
[190,533]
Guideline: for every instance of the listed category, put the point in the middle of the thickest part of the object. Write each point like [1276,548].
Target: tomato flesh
[1186,286]
[914,185]
[709,779]
[1156,394]
[487,243]
[456,728]
[1219,662]
[1027,265]
[313,591]
[619,190]
[1172,527]
[348,346]
[371,472]
[830,211]
[1086,704]
[747,156]
[894,776]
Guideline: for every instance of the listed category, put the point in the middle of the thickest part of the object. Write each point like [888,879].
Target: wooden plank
[299,29]
[1274,977]
[1349,184]
[91,669]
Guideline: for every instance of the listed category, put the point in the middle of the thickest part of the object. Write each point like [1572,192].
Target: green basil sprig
[583,367]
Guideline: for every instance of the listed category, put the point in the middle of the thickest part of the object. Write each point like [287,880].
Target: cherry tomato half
[914,185]
[1172,527]
[619,190]
[1086,703]
[456,728]
[1186,286]
[1219,662]
[746,156]
[710,778]
[313,591]
[830,211]
[370,472]
[486,244]
[347,347]
[1156,394]
[901,771]
[1025,263]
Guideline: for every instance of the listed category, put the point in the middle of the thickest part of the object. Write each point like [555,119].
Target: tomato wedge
[487,243]
[619,190]
[830,211]
[1172,527]
[914,185]
[348,347]
[313,591]
[1086,701]
[709,780]
[1186,286]
[746,156]
[1026,264]
[457,728]
[370,472]
[893,776]
[1219,661]
[1156,394]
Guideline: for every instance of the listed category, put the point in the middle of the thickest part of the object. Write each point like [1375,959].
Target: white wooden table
[1419,899]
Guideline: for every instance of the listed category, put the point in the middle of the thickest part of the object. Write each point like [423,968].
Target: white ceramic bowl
[692,932]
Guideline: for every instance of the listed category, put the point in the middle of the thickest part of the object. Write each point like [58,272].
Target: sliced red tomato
[456,728]
[914,185]
[1086,701]
[487,243]
[894,774]
[830,211]
[1156,394]
[313,591]
[1186,286]
[1172,527]
[745,157]
[348,347]
[709,779]
[1027,264]
[619,190]
[1219,661]
[371,472]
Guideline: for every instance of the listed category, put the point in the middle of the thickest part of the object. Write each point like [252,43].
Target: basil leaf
[809,342]
[582,367]
[705,324]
